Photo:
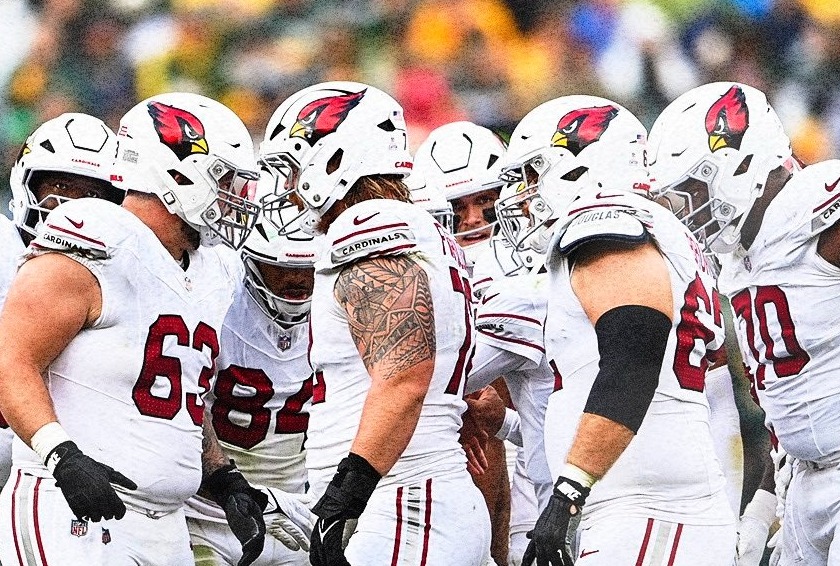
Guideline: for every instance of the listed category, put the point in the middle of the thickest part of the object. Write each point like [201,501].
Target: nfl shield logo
[78,528]
[284,342]
[106,536]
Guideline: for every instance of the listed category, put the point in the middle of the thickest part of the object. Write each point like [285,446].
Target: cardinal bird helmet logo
[24,149]
[178,130]
[727,120]
[581,127]
[323,116]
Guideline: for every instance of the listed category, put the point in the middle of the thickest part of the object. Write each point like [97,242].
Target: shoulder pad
[77,226]
[823,179]
[608,221]
[371,229]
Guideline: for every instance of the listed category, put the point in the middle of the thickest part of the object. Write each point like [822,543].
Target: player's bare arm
[52,298]
[606,277]
[212,456]
[392,321]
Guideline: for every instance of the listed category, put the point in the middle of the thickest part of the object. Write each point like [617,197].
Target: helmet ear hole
[387,125]
[744,166]
[335,161]
[179,177]
[575,173]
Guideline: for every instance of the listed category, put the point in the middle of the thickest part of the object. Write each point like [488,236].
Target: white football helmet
[197,156]
[461,158]
[71,143]
[294,248]
[321,140]
[561,147]
[728,137]
[432,199]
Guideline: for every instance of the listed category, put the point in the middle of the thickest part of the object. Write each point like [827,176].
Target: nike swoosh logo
[488,298]
[599,195]
[832,186]
[358,220]
[78,225]
[323,532]
[678,153]
[588,552]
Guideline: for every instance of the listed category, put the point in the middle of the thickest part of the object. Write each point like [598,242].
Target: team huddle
[301,353]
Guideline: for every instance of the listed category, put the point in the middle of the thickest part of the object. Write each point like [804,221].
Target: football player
[64,158]
[631,319]
[260,398]
[774,231]
[392,335]
[108,341]
[462,160]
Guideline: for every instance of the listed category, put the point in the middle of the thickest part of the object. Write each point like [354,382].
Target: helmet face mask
[73,153]
[727,136]
[324,138]
[196,155]
[279,267]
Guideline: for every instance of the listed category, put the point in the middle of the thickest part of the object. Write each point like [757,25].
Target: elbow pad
[631,345]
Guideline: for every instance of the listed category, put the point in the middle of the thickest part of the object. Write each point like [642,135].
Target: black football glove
[555,528]
[243,506]
[86,483]
[345,498]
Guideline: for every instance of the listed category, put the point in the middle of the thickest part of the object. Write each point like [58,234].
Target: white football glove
[288,518]
[754,528]
[775,543]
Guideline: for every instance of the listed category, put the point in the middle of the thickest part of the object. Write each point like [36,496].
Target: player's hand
[86,483]
[483,418]
[288,518]
[473,440]
[775,543]
[243,506]
[326,548]
[344,499]
[556,526]
[754,527]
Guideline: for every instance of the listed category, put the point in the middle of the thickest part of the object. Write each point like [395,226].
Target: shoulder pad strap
[68,234]
[614,223]
[372,241]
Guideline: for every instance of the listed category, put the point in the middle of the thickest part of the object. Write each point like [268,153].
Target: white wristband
[583,477]
[510,427]
[46,439]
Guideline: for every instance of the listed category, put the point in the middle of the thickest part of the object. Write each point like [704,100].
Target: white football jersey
[128,390]
[371,229]
[10,255]
[510,319]
[669,471]
[786,301]
[260,399]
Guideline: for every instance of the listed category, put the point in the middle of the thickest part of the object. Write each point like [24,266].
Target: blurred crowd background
[488,61]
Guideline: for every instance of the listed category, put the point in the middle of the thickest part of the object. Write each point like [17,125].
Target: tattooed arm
[389,309]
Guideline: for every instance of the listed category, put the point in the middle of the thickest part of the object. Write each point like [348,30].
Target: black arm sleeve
[631,344]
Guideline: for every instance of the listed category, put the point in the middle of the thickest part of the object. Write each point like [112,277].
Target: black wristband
[350,489]
[57,454]
[571,491]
